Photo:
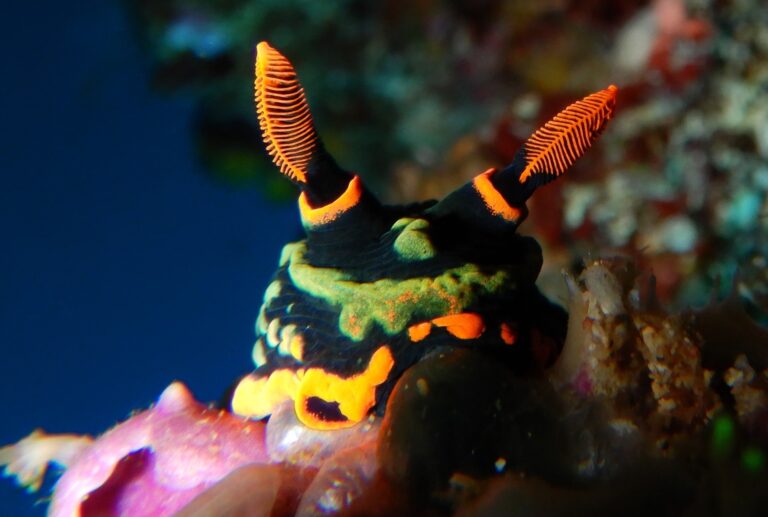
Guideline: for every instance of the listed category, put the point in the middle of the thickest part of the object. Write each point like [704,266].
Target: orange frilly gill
[372,290]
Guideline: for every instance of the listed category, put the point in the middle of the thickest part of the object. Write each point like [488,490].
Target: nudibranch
[373,288]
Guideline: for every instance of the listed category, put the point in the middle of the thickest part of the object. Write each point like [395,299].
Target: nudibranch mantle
[391,303]
[375,288]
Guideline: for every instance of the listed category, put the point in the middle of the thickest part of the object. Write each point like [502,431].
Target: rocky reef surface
[643,412]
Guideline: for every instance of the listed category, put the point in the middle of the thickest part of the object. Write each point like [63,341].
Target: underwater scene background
[142,218]
[123,265]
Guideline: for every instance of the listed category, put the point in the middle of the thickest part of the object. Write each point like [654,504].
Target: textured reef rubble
[644,411]
[663,412]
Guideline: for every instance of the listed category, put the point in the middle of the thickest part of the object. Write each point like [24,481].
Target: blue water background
[122,265]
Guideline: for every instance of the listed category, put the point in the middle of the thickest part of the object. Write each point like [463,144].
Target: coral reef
[644,411]
[627,350]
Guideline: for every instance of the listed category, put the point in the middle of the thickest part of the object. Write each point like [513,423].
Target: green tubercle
[402,223]
[393,303]
[413,244]
[261,320]
[272,291]
[288,251]
[259,355]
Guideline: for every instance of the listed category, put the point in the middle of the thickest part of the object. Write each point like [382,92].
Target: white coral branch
[28,459]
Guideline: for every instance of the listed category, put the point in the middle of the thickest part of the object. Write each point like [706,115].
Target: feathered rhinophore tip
[284,117]
[565,138]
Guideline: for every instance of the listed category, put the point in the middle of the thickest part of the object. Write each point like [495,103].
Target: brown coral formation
[642,363]
[665,412]
[749,390]
[679,384]
[646,412]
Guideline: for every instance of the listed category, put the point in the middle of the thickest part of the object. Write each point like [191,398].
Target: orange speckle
[466,325]
[508,335]
[353,325]
[419,331]
[331,211]
[493,200]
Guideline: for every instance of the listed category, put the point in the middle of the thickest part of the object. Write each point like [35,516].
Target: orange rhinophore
[561,141]
[284,116]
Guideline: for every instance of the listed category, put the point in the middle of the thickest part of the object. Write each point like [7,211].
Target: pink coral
[152,464]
